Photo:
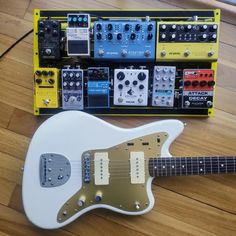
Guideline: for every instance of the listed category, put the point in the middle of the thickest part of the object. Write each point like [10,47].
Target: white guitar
[77,162]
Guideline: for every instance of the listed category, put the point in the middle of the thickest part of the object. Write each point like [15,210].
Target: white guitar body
[71,134]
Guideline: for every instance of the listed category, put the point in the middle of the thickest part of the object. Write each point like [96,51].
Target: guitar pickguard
[122,188]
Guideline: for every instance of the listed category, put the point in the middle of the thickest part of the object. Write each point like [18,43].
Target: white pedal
[163,86]
[131,87]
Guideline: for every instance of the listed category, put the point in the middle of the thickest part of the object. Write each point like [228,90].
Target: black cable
[14,44]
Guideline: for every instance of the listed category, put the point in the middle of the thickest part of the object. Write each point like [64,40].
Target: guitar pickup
[137,167]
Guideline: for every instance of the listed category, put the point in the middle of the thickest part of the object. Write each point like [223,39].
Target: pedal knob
[120,86]
[195,83]
[141,86]
[127,82]
[213,37]
[188,27]
[173,27]
[81,201]
[119,36]
[163,27]
[203,83]
[203,37]
[109,26]
[109,36]
[150,36]
[187,83]
[213,28]
[210,54]
[137,27]
[173,36]
[135,82]
[51,73]
[150,27]
[38,72]
[120,76]
[141,76]
[203,27]
[132,36]
[99,27]
[211,83]
[38,81]
[99,36]
[127,27]
[51,81]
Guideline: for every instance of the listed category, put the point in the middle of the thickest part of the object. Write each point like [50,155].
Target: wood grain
[184,205]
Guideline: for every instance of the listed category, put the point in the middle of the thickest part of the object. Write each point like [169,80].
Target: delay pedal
[72,89]
[78,36]
[131,87]
[163,86]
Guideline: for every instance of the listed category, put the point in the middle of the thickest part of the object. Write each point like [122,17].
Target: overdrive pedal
[131,87]
[163,86]
[72,89]
[46,87]
[78,37]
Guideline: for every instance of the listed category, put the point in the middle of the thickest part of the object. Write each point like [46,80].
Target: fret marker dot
[201,169]
[155,167]
[200,162]
[182,166]
[173,167]
[164,167]
[222,165]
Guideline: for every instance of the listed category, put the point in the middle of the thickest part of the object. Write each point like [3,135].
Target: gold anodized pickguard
[120,192]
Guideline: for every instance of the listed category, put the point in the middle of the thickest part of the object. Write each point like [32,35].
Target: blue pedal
[124,40]
[98,87]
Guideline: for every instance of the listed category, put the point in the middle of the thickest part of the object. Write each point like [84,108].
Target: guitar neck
[175,166]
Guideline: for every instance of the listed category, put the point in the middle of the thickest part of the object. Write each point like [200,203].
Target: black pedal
[49,39]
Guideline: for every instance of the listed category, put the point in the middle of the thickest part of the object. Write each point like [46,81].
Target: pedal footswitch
[131,87]
[46,87]
[72,89]
[163,86]
[77,33]
[98,87]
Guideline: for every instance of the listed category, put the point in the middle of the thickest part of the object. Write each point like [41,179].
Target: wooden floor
[184,205]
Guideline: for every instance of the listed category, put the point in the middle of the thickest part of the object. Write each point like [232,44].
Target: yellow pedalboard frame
[47,96]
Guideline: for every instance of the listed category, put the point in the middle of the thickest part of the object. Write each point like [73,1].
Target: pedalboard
[126,62]
[72,88]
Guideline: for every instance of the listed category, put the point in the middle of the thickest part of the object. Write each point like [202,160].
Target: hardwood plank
[22,53]
[16,96]
[6,191]
[6,113]
[13,26]
[15,223]
[30,122]
[5,43]
[23,75]
[10,168]
[13,144]
[10,7]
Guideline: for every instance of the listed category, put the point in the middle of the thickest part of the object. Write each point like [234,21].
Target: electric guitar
[77,162]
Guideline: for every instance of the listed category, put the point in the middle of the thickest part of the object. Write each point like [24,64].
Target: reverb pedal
[78,36]
[187,40]
[72,89]
[98,87]
[46,87]
[131,87]
[198,88]
[163,86]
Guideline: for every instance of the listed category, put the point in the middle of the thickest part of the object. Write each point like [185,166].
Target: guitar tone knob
[81,201]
